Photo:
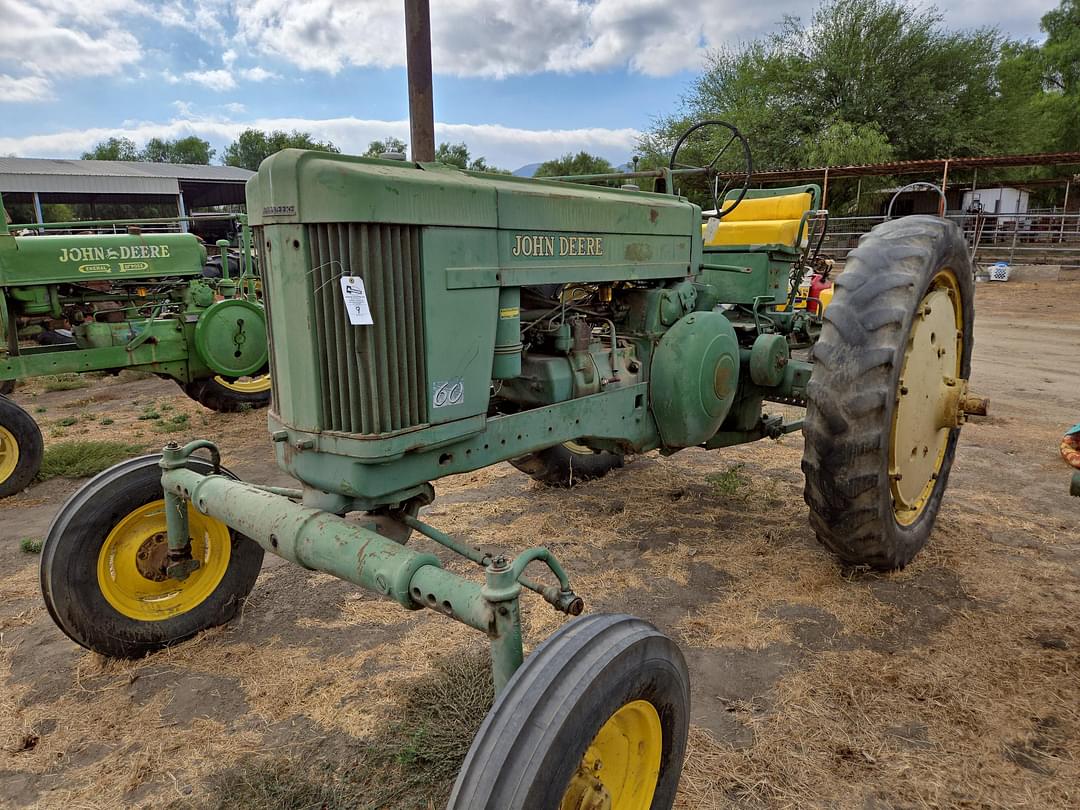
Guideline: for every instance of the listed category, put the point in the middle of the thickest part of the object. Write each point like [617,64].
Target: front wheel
[596,717]
[103,566]
[888,391]
[567,464]
[230,394]
[21,448]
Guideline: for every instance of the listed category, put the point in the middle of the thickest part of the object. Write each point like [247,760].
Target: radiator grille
[372,377]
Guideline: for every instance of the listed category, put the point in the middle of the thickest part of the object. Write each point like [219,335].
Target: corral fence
[1030,238]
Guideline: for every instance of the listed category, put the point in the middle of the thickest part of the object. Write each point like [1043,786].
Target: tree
[113,149]
[581,163]
[388,144]
[480,164]
[191,149]
[453,154]
[884,72]
[253,146]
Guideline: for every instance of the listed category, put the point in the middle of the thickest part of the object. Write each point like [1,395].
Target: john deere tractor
[426,321]
[106,302]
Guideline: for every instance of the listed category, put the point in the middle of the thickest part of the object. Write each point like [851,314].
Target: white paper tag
[356,301]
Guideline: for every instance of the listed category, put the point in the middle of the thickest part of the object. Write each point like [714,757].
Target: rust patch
[653,215]
[638,252]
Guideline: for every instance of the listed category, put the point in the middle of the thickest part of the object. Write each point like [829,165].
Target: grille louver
[372,377]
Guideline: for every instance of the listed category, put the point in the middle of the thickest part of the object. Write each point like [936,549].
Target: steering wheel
[711,175]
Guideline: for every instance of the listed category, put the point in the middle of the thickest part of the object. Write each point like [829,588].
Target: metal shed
[40,181]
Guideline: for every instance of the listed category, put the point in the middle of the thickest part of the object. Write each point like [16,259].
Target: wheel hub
[621,766]
[930,398]
[9,454]
[151,559]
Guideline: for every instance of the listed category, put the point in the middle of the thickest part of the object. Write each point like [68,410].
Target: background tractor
[106,302]
[426,321]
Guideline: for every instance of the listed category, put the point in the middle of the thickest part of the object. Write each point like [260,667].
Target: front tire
[230,395]
[567,464]
[601,707]
[102,576]
[882,417]
[21,448]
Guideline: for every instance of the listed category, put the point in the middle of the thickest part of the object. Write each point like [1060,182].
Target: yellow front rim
[927,398]
[621,766]
[245,385]
[130,567]
[9,454]
[579,449]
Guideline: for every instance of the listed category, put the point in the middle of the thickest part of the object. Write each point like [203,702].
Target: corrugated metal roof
[937,165]
[47,175]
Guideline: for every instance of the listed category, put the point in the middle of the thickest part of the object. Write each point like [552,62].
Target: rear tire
[229,396]
[605,699]
[21,448]
[856,448]
[565,465]
[98,576]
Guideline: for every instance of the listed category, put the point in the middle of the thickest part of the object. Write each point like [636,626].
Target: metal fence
[1033,237]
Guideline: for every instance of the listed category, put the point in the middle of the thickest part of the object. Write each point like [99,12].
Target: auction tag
[356,301]
[711,228]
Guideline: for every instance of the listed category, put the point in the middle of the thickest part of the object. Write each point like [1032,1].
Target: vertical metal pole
[37,209]
[942,207]
[1064,210]
[181,211]
[858,196]
[974,177]
[418,58]
[825,190]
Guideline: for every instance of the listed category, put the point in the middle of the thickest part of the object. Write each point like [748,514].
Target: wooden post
[1064,210]
[825,190]
[858,196]
[418,58]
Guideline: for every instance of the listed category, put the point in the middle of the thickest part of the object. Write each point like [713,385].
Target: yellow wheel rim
[927,398]
[9,454]
[130,567]
[621,767]
[245,385]
[579,449]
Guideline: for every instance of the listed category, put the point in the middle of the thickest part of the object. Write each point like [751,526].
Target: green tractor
[426,321]
[105,302]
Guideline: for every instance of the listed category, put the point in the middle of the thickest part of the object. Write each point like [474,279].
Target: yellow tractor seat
[767,220]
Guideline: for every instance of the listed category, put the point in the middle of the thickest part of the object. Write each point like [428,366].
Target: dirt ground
[955,683]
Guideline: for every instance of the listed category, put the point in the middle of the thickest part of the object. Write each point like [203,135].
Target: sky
[519,81]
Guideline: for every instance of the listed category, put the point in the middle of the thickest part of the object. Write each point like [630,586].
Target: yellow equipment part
[762,221]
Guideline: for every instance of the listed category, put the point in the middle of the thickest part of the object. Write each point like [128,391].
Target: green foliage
[174,424]
[730,482]
[457,154]
[861,79]
[253,146]
[581,163]
[79,459]
[67,421]
[64,382]
[30,545]
[182,150]
[453,154]
[113,149]
[388,144]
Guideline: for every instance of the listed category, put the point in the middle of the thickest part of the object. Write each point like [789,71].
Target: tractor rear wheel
[597,716]
[21,448]
[228,395]
[567,464]
[886,396]
[103,575]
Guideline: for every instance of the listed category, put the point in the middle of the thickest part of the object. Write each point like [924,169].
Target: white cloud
[258,74]
[493,39]
[47,38]
[234,107]
[502,146]
[25,89]
[219,80]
